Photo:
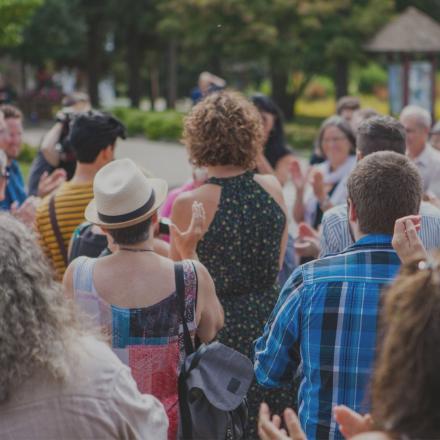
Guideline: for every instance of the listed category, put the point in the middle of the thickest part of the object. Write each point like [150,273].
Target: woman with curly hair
[246,233]
[56,379]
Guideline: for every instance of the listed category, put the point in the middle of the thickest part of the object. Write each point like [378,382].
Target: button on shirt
[428,164]
[15,189]
[335,233]
[325,322]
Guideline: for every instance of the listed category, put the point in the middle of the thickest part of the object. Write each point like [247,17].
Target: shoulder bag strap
[56,228]
[180,289]
[185,413]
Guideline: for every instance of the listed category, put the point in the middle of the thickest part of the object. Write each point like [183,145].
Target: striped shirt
[71,200]
[325,322]
[335,233]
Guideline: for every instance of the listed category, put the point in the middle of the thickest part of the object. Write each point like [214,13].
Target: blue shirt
[325,322]
[15,189]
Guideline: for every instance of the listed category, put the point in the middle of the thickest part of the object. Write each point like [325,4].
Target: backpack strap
[56,229]
[180,289]
[185,414]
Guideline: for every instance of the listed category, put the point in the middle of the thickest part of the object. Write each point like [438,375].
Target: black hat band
[130,215]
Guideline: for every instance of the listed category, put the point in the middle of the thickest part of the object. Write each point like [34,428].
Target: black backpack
[213,383]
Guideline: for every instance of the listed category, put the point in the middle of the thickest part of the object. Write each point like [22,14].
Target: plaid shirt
[325,322]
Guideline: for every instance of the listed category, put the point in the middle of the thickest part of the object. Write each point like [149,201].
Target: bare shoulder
[272,185]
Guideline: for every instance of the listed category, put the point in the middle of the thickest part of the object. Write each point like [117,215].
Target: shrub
[163,125]
[371,78]
[27,153]
[319,88]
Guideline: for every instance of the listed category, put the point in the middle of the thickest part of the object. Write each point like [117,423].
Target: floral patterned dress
[241,252]
[147,339]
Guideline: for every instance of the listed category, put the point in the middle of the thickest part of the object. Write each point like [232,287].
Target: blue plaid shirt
[325,323]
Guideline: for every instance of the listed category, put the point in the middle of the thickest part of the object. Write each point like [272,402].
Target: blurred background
[141,59]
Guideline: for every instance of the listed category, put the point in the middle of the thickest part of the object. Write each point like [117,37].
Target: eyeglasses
[334,139]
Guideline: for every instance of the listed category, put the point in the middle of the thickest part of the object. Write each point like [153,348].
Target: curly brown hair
[224,129]
[406,382]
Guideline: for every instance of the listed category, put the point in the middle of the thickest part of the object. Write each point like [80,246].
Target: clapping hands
[406,241]
[50,182]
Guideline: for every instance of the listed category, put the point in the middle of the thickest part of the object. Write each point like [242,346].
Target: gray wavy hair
[37,323]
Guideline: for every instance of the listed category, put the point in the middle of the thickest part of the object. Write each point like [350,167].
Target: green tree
[346,30]
[14,14]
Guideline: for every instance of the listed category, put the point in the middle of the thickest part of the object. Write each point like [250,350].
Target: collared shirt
[335,233]
[428,164]
[325,321]
[15,189]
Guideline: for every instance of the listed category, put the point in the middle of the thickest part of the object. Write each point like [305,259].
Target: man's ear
[352,214]
[108,153]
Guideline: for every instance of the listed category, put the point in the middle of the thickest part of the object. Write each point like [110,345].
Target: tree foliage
[14,14]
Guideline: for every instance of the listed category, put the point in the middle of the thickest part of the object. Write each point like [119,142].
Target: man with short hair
[325,319]
[417,122]
[380,133]
[93,137]
[15,189]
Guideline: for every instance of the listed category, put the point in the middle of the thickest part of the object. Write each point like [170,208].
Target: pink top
[165,211]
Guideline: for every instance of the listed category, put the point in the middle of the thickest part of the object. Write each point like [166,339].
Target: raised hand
[269,429]
[296,174]
[186,242]
[317,180]
[307,243]
[27,211]
[406,241]
[350,422]
[50,182]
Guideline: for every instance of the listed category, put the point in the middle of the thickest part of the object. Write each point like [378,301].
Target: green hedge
[165,125]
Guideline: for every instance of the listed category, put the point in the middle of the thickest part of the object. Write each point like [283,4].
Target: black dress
[241,252]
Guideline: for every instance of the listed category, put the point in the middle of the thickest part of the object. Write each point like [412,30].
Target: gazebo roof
[412,31]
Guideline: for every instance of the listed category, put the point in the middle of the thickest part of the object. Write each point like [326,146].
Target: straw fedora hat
[124,196]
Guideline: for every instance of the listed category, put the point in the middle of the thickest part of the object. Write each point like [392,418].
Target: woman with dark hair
[328,179]
[276,157]
[245,240]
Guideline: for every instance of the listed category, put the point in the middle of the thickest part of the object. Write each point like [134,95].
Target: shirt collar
[13,166]
[374,241]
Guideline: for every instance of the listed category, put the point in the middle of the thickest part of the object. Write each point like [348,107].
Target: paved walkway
[163,159]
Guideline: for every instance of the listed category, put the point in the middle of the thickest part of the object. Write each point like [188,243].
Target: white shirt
[335,233]
[428,164]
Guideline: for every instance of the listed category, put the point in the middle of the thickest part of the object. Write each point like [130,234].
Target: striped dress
[147,339]
[71,200]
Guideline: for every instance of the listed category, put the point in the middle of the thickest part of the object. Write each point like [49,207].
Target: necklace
[135,250]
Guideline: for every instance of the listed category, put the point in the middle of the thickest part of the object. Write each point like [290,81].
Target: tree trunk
[341,78]
[94,50]
[134,63]
[279,79]
[172,74]
[154,78]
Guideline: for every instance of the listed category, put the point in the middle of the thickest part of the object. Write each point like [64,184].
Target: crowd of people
[340,322]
